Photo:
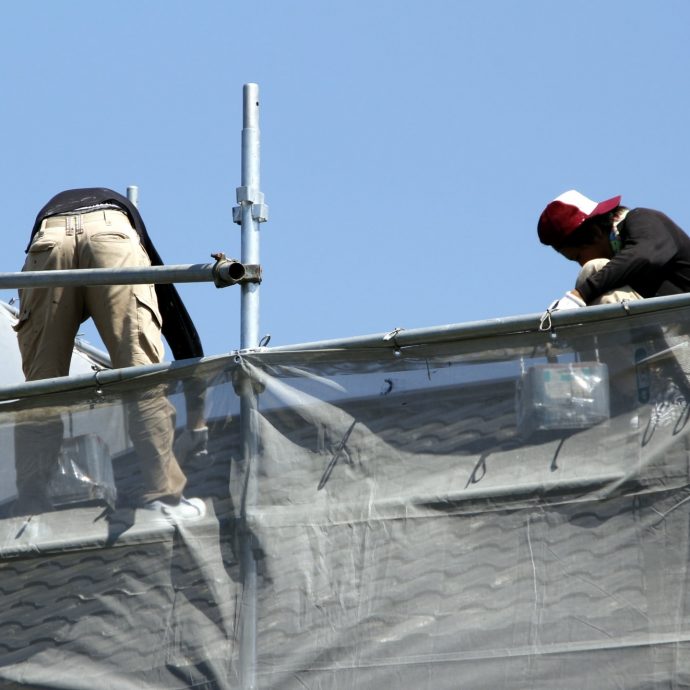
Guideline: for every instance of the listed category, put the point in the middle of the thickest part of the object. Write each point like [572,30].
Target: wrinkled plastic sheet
[503,512]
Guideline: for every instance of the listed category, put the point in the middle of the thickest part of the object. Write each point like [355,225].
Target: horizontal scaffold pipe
[528,323]
[395,339]
[99,379]
[221,273]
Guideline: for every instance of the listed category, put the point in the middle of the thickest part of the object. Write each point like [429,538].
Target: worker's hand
[571,300]
[191,443]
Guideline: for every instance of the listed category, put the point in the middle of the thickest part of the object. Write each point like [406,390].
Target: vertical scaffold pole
[133,194]
[252,211]
[249,214]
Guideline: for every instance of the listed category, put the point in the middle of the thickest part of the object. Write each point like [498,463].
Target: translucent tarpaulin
[504,511]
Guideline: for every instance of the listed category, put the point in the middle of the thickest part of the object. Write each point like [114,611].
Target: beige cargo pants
[625,293]
[128,321]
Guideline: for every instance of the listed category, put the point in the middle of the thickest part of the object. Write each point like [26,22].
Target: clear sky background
[408,147]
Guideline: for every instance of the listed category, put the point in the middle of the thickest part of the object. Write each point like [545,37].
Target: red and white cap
[568,212]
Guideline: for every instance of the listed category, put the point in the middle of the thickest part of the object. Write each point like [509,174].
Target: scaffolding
[499,504]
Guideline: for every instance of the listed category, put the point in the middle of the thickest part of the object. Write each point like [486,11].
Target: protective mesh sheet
[504,512]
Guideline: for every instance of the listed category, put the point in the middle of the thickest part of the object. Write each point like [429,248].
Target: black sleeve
[648,247]
[178,327]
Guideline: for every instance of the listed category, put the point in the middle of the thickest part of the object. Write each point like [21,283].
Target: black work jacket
[654,258]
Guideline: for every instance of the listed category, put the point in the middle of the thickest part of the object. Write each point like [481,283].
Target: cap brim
[605,206]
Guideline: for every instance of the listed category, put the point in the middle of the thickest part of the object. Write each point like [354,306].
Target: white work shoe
[186,509]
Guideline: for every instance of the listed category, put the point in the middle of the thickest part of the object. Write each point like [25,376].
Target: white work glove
[191,443]
[568,301]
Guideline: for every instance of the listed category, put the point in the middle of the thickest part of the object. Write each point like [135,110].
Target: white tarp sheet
[504,512]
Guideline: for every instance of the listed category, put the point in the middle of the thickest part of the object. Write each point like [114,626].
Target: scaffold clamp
[228,272]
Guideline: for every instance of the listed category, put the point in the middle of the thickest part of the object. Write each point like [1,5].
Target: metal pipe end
[250,94]
[235,271]
[231,272]
[133,194]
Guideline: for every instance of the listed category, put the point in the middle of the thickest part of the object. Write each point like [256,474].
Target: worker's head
[578,227]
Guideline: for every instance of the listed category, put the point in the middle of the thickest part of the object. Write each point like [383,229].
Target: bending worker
[647,251]
[625,255]
[99,228]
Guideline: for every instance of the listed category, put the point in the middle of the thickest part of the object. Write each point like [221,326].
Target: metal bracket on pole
[252,196]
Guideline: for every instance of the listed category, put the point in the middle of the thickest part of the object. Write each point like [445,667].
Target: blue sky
[407,147]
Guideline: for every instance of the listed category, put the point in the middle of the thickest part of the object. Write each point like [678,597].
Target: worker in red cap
[647,251]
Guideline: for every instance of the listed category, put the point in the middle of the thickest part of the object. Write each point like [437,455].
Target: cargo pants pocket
[149,323]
